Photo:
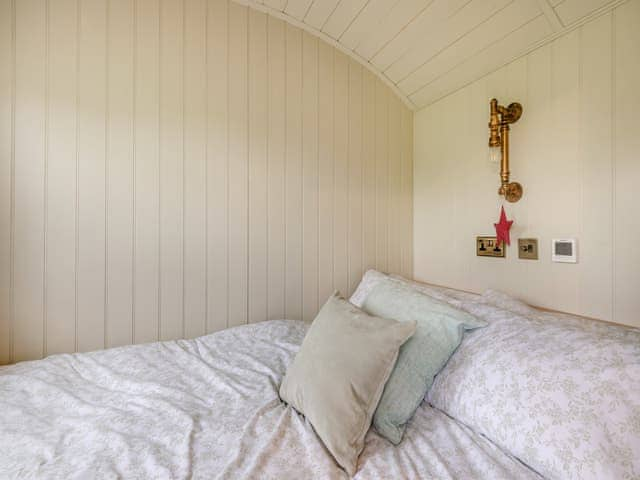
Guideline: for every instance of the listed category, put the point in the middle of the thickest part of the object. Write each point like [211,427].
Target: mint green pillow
[439,331]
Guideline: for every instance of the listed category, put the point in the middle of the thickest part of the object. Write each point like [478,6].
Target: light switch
[528,248]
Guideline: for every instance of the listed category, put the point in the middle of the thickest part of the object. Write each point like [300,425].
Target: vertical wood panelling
[293,174]
[354,188]
[595,281]
[61,179]
[382,175]
[626,168]
[238,164]
[92,128]
[217,164]
[276,168]
[258,173]
[539,96]
[6,176]
[575,152]
[171,170]
[394,206]
[194,233]
[325,171]
[146,175]
[406,228]
[182,167]
[120,165]
[564,183]
[31,104]
[340,173]
[368,171]
[309,176]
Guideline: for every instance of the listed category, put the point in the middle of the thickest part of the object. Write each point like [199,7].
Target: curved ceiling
[426,49]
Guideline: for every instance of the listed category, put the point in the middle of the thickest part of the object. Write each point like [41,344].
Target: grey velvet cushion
[440,328]
[339,373]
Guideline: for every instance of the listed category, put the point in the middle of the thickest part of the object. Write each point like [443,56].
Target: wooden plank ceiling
[426,49]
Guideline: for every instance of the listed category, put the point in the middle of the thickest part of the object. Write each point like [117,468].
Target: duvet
[205,408]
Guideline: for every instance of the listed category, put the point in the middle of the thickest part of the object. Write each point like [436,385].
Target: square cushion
[339,373]
[439,331]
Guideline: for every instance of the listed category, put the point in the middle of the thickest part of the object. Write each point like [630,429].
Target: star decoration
[502,228]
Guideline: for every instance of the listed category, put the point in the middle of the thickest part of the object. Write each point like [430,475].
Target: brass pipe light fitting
[499,121]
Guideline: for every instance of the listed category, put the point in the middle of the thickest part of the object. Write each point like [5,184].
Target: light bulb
[495,155]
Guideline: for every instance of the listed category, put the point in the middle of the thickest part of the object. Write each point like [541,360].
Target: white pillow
[502,300]
[372,278]
[561,394]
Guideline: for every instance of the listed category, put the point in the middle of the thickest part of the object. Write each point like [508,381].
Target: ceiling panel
[495,28]
[342,16]
[297,8]
[571,11]
[426,49]
[319,13]
[436,39]
[367,21]
[402,14]
[483,63]
[275,4]
[413,34]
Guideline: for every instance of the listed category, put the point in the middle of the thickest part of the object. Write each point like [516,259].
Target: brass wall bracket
[500,119]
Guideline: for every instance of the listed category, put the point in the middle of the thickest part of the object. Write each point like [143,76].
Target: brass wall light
[499,121]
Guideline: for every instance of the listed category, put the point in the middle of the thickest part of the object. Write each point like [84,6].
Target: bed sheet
[205,408]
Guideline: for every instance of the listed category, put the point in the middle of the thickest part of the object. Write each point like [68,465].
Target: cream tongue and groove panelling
[426,49]
[574,150]
[172,168]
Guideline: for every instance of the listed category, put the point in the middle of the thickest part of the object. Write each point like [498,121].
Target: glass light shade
[495,155]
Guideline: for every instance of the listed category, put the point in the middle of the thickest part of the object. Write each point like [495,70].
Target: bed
[209,408]
[204,408]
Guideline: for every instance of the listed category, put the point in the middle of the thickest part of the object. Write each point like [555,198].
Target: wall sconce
[499,121]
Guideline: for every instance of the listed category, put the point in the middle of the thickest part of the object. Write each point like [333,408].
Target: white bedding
[205,408]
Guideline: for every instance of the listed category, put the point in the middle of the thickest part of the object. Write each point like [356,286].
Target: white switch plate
[564,250]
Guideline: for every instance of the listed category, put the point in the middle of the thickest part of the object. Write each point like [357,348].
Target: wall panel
[146,173]
[217,35]
[276,168]
[238,164]
[182,167]
[171,158]
[575,152]
[309,176]
[258,178]
[120,168]
[30,178]
[325,170]
[293,174]
[195,110]
[626,167]
[92,148]
[6,177]
[61,178]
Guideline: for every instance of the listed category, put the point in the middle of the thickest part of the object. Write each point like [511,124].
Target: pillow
[339,373]
[560,393]
[370,279]
[506,302]
[439,331]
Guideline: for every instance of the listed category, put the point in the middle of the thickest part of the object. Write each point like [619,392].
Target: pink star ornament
[502,228]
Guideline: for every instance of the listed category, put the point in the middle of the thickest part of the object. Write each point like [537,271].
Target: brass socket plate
[528,248]
[488,247]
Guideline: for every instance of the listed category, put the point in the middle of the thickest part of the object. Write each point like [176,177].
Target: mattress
[205,408]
